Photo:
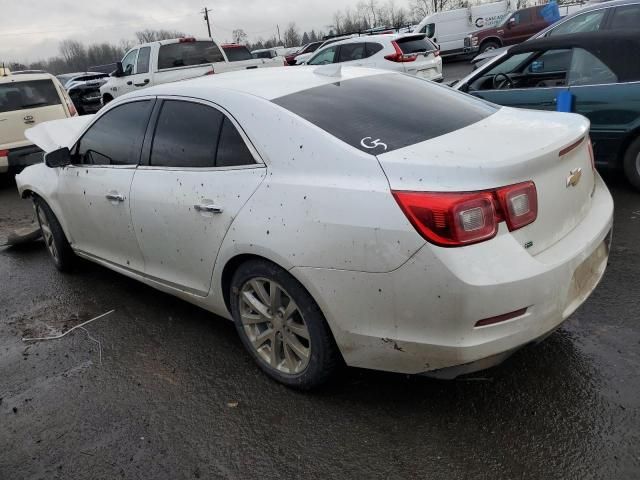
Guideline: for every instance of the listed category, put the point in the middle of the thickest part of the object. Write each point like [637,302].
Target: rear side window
[414,45]
[232,150]
[143,60]
[116,137]
[238,53]
[626,17]
[373,48]
[384,112]
[33,94]
[185,54]
[587,69]
[352,51]
[186,135]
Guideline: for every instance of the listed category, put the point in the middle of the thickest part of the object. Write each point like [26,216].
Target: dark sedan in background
[595,74]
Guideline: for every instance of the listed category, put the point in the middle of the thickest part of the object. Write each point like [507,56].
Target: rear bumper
[19,158]
[422,317]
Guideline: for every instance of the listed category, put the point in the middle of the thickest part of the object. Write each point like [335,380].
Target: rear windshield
[33,94]
[185,54]
[414,45]
[256,55]
[238,53]
[384,112]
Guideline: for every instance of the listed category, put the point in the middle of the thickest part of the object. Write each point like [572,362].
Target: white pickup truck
[178,59]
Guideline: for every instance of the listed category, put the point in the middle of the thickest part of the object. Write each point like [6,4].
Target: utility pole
[279,39]
[206,11]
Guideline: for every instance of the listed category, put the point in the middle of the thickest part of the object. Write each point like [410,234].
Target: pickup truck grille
[467,41]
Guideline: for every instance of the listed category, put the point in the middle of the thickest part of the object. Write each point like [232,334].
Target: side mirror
[118,72]
[58,158]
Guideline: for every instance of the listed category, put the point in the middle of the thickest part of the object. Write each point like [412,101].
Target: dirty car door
[94,191]
[200,171]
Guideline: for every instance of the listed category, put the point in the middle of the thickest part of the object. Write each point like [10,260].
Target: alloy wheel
[45,227]
[274,326]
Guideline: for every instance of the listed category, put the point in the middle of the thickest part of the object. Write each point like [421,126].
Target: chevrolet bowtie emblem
[574,177]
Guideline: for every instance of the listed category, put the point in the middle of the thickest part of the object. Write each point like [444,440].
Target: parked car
[411,53]
[27,100]
[608,15]
[450,27]
[84,89]
[26,72]
[515,28]
[302,58]
[306,49]
[177,59]
[600,72]
[424,232]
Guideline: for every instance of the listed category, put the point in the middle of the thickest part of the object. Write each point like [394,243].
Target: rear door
[354,54]
[201,170]
[24,104]
[94,191]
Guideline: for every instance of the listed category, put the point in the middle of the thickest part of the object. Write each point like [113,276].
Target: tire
[285,330]
[54,238]
[489,45]
[632,163]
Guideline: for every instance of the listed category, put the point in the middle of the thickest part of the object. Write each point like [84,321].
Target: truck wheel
[106,99]
[489,45]
[281,326]
[54,237]
[632,163]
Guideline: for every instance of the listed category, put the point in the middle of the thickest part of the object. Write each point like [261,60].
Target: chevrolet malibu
[335,214]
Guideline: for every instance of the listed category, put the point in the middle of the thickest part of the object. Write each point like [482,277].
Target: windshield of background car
[32,94]
[238,53]
[390,109]
[186,54]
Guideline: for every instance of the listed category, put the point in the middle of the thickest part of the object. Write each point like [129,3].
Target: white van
[448,29]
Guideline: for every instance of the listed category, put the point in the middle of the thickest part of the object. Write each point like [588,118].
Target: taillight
[4,153]
[519,204]
[456,219]
[399,56]
[72,108]
[436,53]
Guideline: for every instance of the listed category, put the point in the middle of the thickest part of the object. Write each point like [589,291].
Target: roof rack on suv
[370,31]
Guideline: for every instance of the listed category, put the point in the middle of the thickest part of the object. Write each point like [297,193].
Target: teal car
[595,74]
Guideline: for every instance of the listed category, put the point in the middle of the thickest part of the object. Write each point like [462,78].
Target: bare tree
[148,35]
[373,7]
[291,36]
[239,36]
[74,54]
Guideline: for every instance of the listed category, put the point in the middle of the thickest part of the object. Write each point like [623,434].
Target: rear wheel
[281,326]
[489,45]
[632,163]
[54,237]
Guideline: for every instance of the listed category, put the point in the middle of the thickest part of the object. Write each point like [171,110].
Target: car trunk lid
[507,148]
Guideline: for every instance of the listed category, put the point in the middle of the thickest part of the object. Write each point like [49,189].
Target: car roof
[27,77]
[617,49]
[267,83]
[384,37]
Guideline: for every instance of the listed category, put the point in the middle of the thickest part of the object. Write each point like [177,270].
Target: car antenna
[331,70]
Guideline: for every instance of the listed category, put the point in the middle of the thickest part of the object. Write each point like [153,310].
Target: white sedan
[357,215]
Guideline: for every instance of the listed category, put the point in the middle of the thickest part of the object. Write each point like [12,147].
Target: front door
[200,172]
[94,191]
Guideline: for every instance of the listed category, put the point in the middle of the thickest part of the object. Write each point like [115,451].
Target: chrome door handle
[115,197]
[208,208]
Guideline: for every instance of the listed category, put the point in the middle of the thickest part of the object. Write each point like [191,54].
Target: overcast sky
[31,29]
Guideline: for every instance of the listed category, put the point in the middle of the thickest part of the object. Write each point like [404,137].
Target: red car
[308,48]
[515,28]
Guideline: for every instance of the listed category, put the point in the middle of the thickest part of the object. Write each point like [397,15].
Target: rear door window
[238,53]
[32,94]
[384,112]
[143,60]
[587,69]
[232,151]
[373,48]
[185,54]
[116,137]
[352,51]
[627,17]
[186,135]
